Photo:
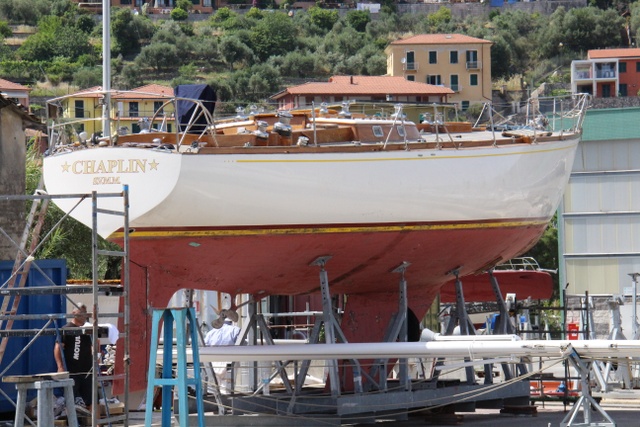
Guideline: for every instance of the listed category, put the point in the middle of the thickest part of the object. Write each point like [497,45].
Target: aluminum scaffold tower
[14,288]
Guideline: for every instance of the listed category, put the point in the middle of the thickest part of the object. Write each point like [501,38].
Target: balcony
[474,65]
[582,75]
[410,66]
[605,74]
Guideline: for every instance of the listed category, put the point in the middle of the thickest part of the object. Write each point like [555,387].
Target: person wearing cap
[73,354]
[227,334]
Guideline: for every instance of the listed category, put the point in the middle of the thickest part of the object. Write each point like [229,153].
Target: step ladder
[185,323]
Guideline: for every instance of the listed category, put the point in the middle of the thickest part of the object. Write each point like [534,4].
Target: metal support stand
[397,332]
[504,326]
[586,401]
[333,332]
[405,382]
[257,325]
[330,323]
[636,327]
[466,327]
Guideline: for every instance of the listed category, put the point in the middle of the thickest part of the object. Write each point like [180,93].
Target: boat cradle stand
[585,404]
[392,401]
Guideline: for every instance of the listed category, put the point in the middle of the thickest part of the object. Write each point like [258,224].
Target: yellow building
[456,61]
[129,109]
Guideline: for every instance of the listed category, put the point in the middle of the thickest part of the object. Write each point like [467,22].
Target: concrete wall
[12,179]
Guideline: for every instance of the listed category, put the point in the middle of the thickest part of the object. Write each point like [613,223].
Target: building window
[464,105]
[206,3]
[622,67]
[79,109]
[411,78]
[606,91]
[133,110]
[410,61]
[453,57]
[472,60]
[308,100]
[157,106]
[433,57]
[125,2]
[622,89]
[473,79]
[454,83]
[434,80]
[338,98]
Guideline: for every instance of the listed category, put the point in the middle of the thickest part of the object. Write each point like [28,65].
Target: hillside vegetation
[248,57]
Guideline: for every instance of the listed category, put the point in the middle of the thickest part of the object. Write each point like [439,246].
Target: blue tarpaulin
[186,108]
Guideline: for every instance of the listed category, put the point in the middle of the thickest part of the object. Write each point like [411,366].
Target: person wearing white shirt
[227,334]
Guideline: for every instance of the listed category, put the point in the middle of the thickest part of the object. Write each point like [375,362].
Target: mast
[106,67]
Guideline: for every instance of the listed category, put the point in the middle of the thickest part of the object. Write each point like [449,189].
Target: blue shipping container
[39,357]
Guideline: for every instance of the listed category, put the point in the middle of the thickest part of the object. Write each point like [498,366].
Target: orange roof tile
[366,85]
[151,91]
[92,92]
[7,85]
[631,52]
[440,39]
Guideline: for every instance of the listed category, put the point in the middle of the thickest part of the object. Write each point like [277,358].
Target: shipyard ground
[622,409]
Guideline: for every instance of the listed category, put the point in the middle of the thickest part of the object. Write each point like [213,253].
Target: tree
[178,14]
[590,28]
[85,23]
[128,31]
[159,56]
[185,5]
[358,19]
[87,77]
[297,64]
[54,39]
[5,30]
[26,12]
[274,34]
[323,18]
[234,51]
[437,22]
[634,22]
[344,40]
[129,77]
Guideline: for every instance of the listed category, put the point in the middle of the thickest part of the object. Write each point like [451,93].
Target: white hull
[170,189]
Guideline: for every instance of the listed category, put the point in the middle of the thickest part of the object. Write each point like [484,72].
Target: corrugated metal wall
[600,214]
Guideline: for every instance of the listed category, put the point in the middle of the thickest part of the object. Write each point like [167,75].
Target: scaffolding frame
[12,290]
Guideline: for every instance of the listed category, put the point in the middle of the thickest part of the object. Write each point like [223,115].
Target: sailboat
[246,204]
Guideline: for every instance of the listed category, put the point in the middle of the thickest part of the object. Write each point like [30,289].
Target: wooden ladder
[22,266]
